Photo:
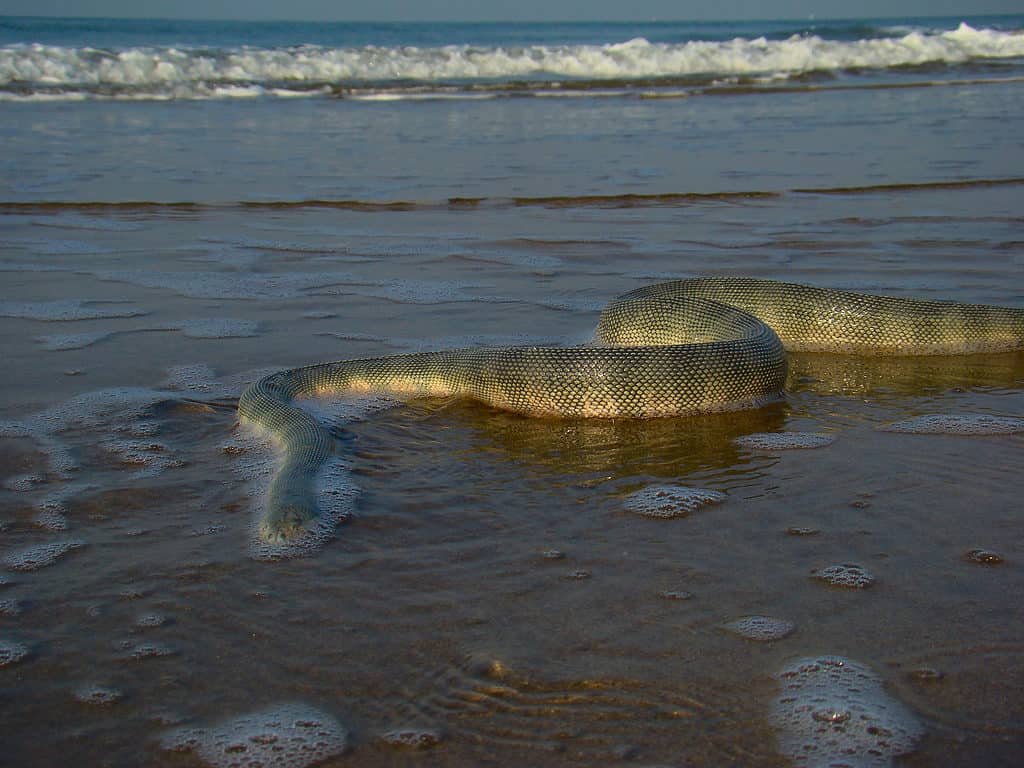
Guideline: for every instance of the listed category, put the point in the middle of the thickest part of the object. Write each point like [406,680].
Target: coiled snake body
[669,349]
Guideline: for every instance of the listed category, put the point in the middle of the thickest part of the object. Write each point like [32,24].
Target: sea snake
[669,349]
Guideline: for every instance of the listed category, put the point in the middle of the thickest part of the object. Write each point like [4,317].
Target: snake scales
[668,349]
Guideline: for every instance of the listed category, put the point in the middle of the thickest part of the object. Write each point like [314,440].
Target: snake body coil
[669,349]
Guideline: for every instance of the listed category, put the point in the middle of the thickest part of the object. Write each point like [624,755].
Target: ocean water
[186,206]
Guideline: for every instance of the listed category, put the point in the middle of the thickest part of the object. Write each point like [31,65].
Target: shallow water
[440,608]
[506,591]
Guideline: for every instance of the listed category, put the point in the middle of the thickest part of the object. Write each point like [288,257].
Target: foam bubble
[12,652]
[846,575]
[832,711]
[284,736]
[151,458]
[764,628]
[40,555]
[22,483]
[196,378]
[50,511]
[666,501]
[958,424]
[121,409]
[784,441]
[98,694]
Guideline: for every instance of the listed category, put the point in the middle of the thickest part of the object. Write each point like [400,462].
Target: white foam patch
[847,575]
[784,441]
[108,412]
[11,607]
[22,483]
[12,652]
[150,457]
[49,72]
[198,377]
[92,410]
[667,501]
[50,512]
[834,712]
[764,628]
[40,555]
[958,424]
[14,429]
[67,310]
[283,736]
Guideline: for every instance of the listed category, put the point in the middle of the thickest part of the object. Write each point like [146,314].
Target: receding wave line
[627,200]
[42,72]
[911,187]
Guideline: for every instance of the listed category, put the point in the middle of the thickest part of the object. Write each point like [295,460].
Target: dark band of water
[552,201]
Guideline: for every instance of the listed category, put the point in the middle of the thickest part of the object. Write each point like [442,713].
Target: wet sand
[493,600]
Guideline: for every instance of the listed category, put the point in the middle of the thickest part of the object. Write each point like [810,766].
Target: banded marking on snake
[669,349]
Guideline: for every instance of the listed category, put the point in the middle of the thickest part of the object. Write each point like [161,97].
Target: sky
[504,10]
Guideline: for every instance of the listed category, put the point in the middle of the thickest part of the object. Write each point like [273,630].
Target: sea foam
[833,711]
[284,736]
[54,72]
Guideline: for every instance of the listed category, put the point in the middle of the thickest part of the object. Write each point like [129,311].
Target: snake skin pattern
[669,349]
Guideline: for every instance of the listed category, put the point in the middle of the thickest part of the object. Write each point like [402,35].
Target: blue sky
[501,10]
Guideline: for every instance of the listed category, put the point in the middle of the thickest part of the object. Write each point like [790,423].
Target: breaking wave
[40,72]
